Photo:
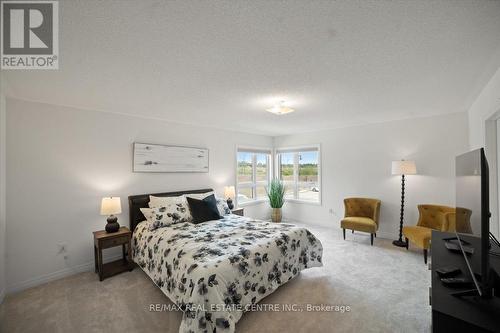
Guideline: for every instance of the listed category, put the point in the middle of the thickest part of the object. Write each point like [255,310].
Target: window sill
[252,203]
[314,203]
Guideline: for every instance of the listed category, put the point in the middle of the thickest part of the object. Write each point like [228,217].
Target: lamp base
[112,225]
[230,203]
[399,243]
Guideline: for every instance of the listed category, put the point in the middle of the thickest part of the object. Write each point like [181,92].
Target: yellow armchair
[460,221]
[361,214]
[433,217]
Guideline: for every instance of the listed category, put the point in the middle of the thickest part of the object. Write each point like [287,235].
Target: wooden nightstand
[238,211]
[104,240]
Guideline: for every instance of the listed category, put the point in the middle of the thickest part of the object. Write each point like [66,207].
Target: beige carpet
[386,288]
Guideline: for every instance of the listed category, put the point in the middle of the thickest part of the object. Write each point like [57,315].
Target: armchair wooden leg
[375,234]
[371,239]
[425,256]
[343,231]
[407,243]
[352,230]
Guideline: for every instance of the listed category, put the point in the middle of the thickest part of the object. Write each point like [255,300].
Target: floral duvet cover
[215,270]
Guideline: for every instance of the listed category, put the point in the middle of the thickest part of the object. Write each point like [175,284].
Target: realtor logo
[29,33]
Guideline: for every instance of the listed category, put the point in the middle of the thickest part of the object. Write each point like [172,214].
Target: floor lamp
[402,168]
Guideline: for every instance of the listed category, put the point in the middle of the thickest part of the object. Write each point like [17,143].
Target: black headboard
[136,202]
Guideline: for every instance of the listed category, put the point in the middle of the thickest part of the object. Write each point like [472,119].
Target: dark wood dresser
[466,314]
[238,211]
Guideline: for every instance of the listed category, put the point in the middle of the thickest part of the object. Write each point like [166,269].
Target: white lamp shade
[111,206]
[404,168]
[229,192]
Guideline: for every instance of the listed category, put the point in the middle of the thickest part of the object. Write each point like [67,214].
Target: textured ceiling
[222,63]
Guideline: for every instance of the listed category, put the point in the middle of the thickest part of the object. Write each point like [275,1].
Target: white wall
[2,188]
[61,161]
[356,161]
[486,105]
[483,132]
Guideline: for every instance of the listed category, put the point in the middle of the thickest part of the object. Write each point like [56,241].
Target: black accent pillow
[203,210]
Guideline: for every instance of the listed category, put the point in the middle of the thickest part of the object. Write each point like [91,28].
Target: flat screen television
[473,215]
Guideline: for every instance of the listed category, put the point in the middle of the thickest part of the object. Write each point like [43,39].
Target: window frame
[254,183]
[296,183]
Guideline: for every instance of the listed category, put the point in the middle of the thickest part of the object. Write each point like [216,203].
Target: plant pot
[276,215]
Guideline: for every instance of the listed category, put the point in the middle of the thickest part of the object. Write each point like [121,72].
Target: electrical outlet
[62,248]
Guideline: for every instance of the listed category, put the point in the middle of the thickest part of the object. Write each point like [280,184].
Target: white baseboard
[36,281]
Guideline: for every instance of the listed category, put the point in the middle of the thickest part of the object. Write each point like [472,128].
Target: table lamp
[402,168]
[229,194]
[111,206]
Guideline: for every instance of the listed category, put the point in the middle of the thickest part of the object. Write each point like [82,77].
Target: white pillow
[164,216]
[165,201]
[148,214]
[222,207]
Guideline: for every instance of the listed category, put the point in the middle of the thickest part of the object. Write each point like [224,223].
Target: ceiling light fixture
[280,109]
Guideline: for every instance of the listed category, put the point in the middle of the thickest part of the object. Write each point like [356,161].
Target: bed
[214,271]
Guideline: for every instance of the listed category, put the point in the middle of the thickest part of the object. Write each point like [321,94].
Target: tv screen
[472,213]
[468,193]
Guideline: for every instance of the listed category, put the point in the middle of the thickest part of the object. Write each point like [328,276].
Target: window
[252,174]
[299,169]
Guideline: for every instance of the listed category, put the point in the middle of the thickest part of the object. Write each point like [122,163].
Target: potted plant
[276,195]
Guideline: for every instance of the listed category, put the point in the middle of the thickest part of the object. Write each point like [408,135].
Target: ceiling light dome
[280,109]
